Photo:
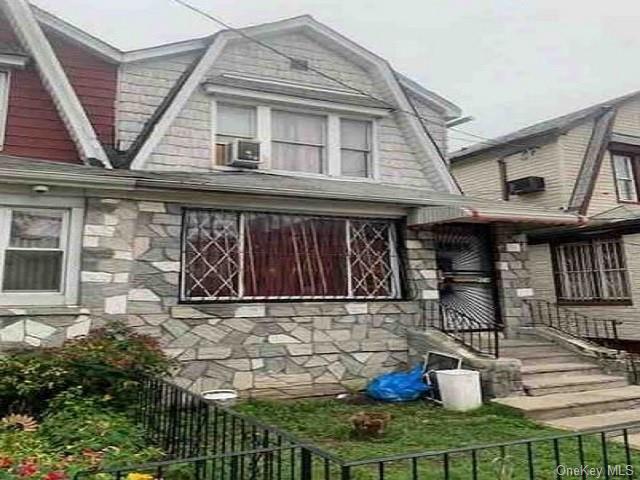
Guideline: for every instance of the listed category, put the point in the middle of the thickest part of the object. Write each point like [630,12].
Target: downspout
[502,170]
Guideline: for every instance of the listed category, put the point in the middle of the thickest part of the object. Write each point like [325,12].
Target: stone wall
[512,275]
[498,377]
[130,272]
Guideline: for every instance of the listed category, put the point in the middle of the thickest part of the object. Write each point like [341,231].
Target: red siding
[34,127]
[95,82]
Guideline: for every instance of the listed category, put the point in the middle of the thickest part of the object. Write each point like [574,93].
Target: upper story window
[591,271]
[233,122]
[39,255]
[298,141]
[4,104]
[355,148]
[624,170]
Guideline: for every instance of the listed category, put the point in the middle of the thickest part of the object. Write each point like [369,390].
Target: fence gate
[464,255]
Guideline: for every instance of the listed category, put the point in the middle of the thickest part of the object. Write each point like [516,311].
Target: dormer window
[290,138]
[355,148]
[298,142]
[624,173]
[233,122]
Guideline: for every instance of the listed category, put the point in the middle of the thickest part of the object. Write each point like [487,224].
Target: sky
[507,63]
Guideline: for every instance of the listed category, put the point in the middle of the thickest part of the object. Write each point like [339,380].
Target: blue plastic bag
[398,386]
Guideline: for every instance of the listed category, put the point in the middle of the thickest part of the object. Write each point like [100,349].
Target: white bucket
[459,389]
[225,398]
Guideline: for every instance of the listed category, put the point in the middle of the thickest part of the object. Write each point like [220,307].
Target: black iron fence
[570,322]
[603,454]
[481,336]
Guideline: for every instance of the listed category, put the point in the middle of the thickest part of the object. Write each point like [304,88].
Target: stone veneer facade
[130,272]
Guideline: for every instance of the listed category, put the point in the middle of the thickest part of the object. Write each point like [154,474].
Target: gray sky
[508,63]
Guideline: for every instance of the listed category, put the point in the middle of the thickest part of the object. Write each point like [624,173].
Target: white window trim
[5,86]
[332,159]
[71,238]
[619,179]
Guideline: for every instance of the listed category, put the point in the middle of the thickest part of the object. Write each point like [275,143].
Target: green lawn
[421,427]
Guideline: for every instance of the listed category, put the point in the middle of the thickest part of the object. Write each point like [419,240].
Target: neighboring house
[585,162]
[272,227]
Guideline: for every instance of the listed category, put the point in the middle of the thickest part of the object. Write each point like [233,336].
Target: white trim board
[55,80]
[316,29]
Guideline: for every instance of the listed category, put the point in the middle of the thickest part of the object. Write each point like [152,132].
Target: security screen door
[464,256]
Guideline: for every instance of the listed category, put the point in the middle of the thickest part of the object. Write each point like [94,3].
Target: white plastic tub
[226,398]
[459,389]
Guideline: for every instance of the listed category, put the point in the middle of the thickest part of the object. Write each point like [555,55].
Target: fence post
[345,473]
[306,464]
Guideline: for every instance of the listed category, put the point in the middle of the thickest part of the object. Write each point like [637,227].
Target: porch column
[421,264]
[512,275]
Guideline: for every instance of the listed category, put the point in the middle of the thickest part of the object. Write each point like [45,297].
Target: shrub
[107,361]
[77,432]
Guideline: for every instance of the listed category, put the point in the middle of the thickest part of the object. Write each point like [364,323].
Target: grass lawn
[421,427]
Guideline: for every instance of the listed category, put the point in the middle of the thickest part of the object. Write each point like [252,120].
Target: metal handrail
[480,336]
[570,322]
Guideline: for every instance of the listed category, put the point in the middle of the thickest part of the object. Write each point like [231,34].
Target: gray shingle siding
[187,144]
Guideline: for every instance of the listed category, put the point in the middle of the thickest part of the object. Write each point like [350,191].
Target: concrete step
[570,382]
[525,353]
[550,371]
[559,405]
[530,350]
[525,342]
[560,357]
[633,439]
[618,418]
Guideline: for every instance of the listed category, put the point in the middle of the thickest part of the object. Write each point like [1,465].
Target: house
[585,162]
[277,229]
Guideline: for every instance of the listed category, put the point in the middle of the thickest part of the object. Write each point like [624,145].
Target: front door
[464,257]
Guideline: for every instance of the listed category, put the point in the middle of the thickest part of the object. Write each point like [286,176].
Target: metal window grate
[212,254]
[240,255]
[370,259]
[592,270]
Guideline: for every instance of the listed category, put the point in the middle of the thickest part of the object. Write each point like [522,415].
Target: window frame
[70,238]
[324,158]
[634,159]
[600,300]
[395,261]
[5,86]
[332,166]
[368,151]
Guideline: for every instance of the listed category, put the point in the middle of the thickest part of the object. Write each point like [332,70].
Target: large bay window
[39,250]
[295,140]
[247,255]
[591,271]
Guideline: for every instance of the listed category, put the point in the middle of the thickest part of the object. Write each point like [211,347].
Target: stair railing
[480,336]
[548,314]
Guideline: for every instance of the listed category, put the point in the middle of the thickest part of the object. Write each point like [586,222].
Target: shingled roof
[546,127]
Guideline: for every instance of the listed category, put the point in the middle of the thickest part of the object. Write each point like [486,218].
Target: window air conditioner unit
[526,185]
[244,153]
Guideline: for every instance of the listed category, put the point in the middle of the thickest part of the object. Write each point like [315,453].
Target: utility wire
[478,138]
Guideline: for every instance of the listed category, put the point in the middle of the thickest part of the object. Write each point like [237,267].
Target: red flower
[55,475]
[5,462]
[27,469]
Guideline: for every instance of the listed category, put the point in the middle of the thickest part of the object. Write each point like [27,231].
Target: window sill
[30,311]
[290,173]
[595,303]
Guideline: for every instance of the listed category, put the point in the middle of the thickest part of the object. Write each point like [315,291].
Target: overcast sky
[508,63]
